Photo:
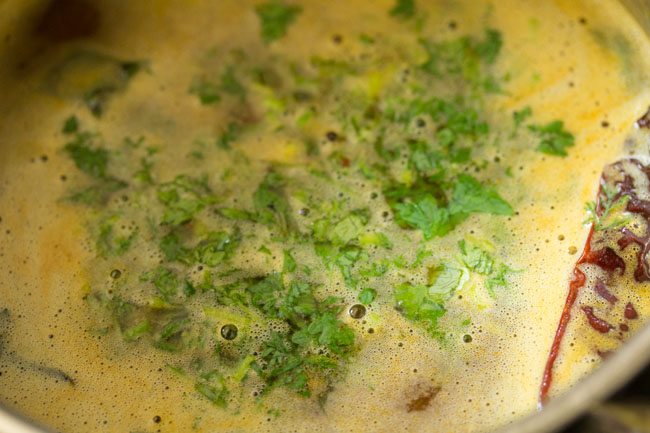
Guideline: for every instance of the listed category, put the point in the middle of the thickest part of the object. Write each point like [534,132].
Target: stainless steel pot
[612,375]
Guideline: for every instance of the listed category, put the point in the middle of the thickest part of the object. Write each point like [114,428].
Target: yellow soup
[314,216]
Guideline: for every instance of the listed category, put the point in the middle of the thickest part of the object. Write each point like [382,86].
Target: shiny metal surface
[612,375]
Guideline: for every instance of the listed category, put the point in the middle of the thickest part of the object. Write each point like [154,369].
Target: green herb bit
[97,194]
[229,135]
[377,239]
[137,331]
[367,295]
[289,264]
[520,116]
[554,139]
[344,258]
[87,156]
[164,280]
[230,84]
[497,279]
[109,243]
[479,260]
[465,57]
[271,205]
[475,258]
[212,385]
[184,197]
[326,330]
[71,125]
[207,91]
[403,9]
[426,303]
[275,18]
[607,214]
[470,196]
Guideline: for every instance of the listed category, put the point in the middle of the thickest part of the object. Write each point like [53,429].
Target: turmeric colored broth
[195,89]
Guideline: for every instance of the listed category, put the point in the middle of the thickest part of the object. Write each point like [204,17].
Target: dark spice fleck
[332,136]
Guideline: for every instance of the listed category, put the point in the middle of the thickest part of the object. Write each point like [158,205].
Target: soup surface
[311,216]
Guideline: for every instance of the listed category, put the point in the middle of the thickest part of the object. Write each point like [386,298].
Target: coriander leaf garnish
[367,295]
[275,18]
[475,258]
[87,155]
[271,205]
[403,9]
[481,261]
[426,303]
[427,216]
[470,196]
[71,125]
[520,116]
[207,91]
[182,198]
[554,139]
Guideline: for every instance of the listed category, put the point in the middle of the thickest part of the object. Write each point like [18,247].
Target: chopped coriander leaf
[172,248]
[271,205]
[497,279]
[554,139]
[376,269]
[235,214]
[98,193]
[344,258]
[414,302]
[426,303]
[367,295]
[230,84]
[137,331]
[71,125]
[479,260]
[378,239]
[289,262]
[228,136]
[403,9]
[470,196]
[466,57]
[87,156]
[489,48]
[109,241]
[475,258]
[522,115]
[283,365]
[425,215]
[348,229]
[182,198]
[164,280]
[207,91]
[212,386]
[327,331]
[275,18]
[216,248]
[444,280]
